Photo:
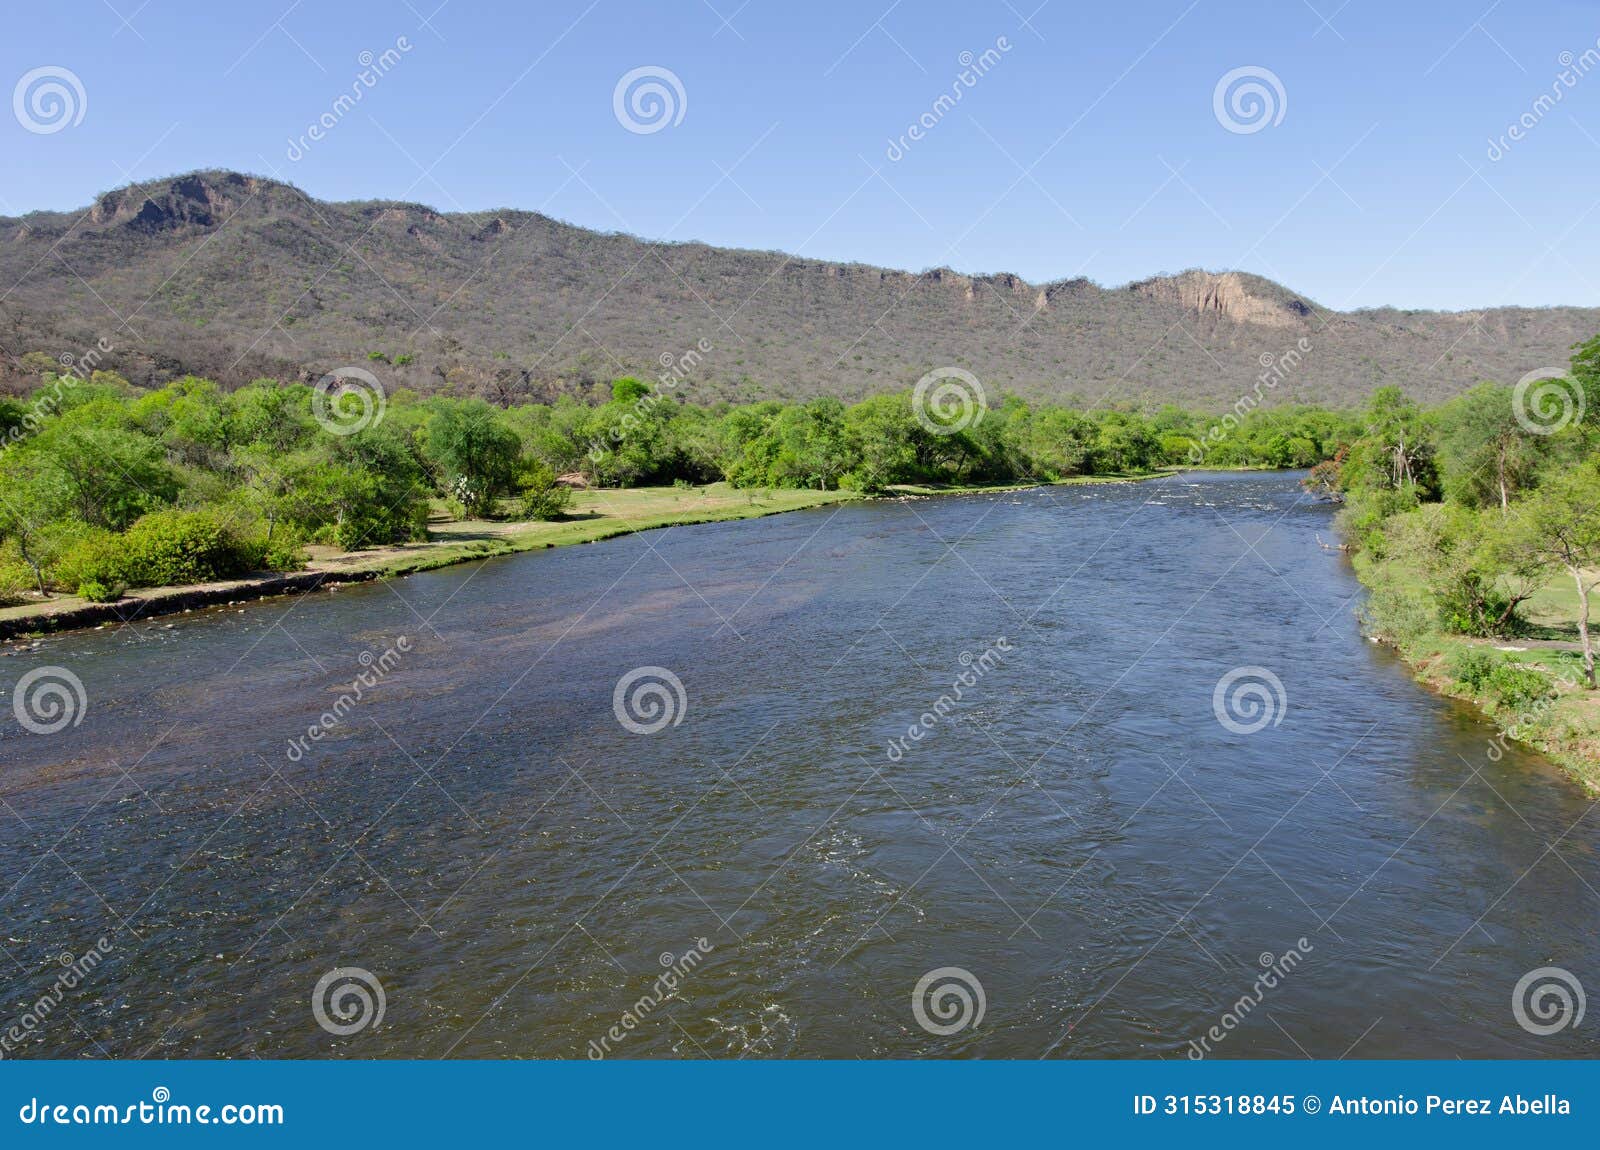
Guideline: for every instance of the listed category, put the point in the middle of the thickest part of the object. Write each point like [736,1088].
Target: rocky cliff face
[1228,295]
[237,277]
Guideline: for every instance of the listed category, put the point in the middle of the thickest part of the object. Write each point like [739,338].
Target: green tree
[1486,456]
[1559,526]
[111,475]
[475,451]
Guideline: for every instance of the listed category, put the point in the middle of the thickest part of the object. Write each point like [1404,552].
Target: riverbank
[596,514]
[1531,689]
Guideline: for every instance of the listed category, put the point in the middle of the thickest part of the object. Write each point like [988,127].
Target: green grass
[1567,729]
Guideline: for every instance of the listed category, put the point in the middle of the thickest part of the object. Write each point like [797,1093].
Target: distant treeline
[105,486]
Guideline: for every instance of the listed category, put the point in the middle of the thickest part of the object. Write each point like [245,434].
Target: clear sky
[1090,145]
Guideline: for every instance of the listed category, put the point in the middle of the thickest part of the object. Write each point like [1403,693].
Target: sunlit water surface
[1080,832]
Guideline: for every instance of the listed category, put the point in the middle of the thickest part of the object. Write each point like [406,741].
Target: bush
[1396,612]
[1471,604]
[284,553]
[15,580]
[1515,688]
[1472,667]
[94,556]
[541,496]
[97,592]
[166,548]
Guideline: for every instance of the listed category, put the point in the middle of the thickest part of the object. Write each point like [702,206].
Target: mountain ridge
[237,276]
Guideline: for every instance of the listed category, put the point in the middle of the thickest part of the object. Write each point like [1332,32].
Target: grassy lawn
[1555,606]
[595,514]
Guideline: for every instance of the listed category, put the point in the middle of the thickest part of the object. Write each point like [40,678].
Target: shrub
[1472,604]
[15,579]
[1515,688]
[541,496]
[1472,667]
[1397,613]
[95,556]
[166,548]
[284,553]
[97,592]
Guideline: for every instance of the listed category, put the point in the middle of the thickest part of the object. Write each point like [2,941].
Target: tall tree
[1559,525]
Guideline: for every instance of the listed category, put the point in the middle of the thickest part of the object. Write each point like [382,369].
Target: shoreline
[1430,672]
[1571,740]
[597,517]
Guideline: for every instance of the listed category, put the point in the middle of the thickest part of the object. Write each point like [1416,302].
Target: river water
[1109,867]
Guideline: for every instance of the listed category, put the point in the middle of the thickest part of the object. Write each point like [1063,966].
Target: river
[1078,840]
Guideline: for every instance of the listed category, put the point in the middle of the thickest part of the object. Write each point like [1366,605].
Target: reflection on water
[1077,831]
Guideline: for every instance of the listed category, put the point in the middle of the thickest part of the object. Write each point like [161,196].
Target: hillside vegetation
[234,277]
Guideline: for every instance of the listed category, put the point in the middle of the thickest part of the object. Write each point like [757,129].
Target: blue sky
[1090,147]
